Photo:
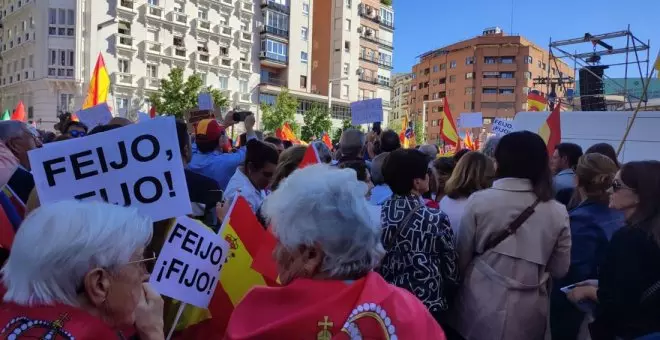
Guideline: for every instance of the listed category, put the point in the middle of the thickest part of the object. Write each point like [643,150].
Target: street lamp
[424,114]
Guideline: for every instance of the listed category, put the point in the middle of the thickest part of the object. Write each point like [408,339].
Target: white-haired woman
[78,270]
[326,251]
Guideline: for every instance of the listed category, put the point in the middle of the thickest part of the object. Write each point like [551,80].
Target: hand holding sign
[188,267]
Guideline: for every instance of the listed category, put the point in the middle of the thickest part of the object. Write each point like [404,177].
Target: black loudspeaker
[591,88]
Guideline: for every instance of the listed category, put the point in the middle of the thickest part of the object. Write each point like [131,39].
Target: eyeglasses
[146,264]
[77,133]
[618,185]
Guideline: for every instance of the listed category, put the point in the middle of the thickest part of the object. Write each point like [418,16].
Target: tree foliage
[395,125]
[419,131]
[283,111]
[386,2]
[345,124]
[316,121]
[177,96]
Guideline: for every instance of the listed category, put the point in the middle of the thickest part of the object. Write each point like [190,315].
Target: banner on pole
[137,165]
[188,267]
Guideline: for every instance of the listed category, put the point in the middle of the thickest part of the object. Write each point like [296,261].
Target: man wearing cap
[212,158]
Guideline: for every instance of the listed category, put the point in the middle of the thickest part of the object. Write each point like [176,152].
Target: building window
[528,60]
[152,71]
[386,17]
[452,64]
[469,106]
[303,82]
[66,102]
[450,92]
[305,8]
[436,68]
[539,64]
[347,46]
[452,79]
[443,66]
[243,86]
[124,65]
[469,90]
[31,61]
[489,90]
[347,67]
[349,3]
[528,75]
[275,50]
[469,75]
[203,14]
[490,60]
[506,90]
[508,60]
[276,20]
[304,33]
[469,60]
[507,75]
[303,57]
[345,91]
[223,82]
[348,25]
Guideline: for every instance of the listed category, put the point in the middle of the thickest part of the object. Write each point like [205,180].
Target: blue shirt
[217,165]
[565,179]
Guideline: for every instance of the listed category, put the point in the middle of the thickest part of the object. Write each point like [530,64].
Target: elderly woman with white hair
[326,251]
[78,270]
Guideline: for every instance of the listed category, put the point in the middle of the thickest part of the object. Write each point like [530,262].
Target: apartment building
[399,95]
[49,49]
[491,73]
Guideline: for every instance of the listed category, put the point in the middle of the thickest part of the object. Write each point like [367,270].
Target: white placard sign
[501,127]
[188,267]
[367,111]
[137,165]
[470,120]
[95,115]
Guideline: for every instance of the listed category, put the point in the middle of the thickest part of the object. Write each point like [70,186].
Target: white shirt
[239,183]
[454,210]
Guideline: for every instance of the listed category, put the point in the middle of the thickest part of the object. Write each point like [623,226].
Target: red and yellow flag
[550,131]
[19,112]
[99,86]
[311,157]
[536,101]
[327,141]
[448,131]
[469,143]
[286,133]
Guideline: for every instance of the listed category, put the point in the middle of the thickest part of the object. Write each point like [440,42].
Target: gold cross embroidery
[325,334]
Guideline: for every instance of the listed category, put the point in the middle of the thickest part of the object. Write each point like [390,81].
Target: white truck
[587,128]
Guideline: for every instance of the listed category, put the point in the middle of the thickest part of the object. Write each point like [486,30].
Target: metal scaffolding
[602,47]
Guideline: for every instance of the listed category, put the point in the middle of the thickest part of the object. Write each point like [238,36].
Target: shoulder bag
[512,228]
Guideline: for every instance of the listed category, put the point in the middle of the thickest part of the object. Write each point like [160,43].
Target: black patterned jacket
[422,258]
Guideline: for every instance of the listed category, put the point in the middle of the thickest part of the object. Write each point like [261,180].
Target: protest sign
[188,267]
[95,115]
[137,165]
[367,111]
[470,120]
[143,117]
[205,101]
[501,127]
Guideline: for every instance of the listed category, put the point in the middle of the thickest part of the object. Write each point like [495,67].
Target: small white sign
[95,116]
[188,267]
[501,127]
[205,101]
[137,165]
[468,120]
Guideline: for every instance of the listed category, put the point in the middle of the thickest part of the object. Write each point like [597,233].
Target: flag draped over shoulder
[19,112]
[99,86]
[448,131]
[550,131]
[536,101]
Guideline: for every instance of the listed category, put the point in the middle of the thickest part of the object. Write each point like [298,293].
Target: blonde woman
[473,172]
[287,164]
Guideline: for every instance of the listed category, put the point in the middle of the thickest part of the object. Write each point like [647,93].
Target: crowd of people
[375,242]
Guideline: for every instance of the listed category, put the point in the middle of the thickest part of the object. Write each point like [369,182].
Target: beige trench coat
[504,294]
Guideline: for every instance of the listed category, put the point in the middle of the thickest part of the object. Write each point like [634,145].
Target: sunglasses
[77,133]
[618,185]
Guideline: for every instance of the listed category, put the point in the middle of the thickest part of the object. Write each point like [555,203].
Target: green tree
[177,96]
[283,111]
[419,131]
[386,2]
[395,125]
[345,124]
[316,121]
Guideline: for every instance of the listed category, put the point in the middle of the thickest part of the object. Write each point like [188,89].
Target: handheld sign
[188,267]
[95,115]
[143,117]
[502,127]
[137,165]
[367,111]
[470,120]
[205,101]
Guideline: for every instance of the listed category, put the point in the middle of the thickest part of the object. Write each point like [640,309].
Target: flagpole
[639,106]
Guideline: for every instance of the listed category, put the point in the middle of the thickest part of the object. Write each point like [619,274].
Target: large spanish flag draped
[550,131]
[448,131]
[99,86]
[536,101]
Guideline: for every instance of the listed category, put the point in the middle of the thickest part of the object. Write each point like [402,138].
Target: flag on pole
[410,141]
[404,126]
[286,133]
[311,157]
[19,112]
[326,140]
[448,131]
[550,131]
[6,115]
[99,86]
[536,101]
[152,112]
[469,143]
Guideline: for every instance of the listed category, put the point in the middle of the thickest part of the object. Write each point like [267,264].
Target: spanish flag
[286,133]
[311,157]
[326,140]
[469,143]
[247,241]
[550,131]
[404,126]
[535,101]
[99,86]
[448,131]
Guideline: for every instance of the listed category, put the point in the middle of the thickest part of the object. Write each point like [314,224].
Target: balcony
[273,81]
[381,42]
[176,53]
[368,80]
[244,67]
[155,13]
[203,25]
[374,60]
[179,19]
[151,83]
[124,42]
[273,60]
[223,62]
[152,47]
[223,31]
[246,37]
[126,7]
[122,79]
[274,31]
[243,97]
[275,6]
[371,14]
[202,57]
[247,7]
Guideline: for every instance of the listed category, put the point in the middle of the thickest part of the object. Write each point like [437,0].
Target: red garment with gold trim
[59,322]
[368,308]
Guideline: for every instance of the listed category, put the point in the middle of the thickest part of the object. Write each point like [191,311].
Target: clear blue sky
[423,25]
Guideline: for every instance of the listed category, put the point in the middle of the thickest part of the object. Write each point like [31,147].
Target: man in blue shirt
[211,158]
[562,163]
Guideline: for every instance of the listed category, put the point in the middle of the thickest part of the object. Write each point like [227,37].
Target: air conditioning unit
[369,32]
[262,54]
[359,30]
